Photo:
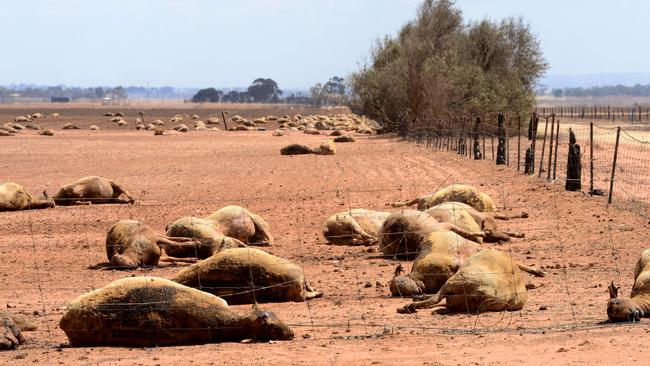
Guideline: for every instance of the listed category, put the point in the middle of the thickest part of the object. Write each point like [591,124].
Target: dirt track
[579,241]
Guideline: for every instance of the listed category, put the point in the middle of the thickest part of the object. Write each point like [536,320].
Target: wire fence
[355,280]
[635,114]
[613,160]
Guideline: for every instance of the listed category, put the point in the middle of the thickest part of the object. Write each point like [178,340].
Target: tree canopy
[440,66]
[264,91]
[210,95]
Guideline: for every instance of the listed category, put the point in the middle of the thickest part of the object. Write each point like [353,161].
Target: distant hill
[589,80]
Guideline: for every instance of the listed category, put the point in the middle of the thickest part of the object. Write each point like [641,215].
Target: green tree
[441,68]
[264,90]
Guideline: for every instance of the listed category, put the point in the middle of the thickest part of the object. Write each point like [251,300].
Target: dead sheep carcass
[354,227]
[404,233]
[454,193]
[637,306]
[488,281]
[92,189]
[131,244]
[14,197]
[243,225]
[12,327]
[120,314]
[247,275]
[208,240]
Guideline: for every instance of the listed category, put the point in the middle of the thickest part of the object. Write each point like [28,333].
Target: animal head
[489,223]
[622,310]
[403,286]
[268,327]
[495,236]
[119,260]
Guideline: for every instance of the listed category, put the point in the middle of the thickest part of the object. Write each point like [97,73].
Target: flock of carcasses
[444,237]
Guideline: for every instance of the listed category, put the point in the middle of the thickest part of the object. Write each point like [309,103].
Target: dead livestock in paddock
[93,190]
[70,126]
[209,240]
[14,197]
[150,312]
[247,275]
[278,133]
[470,219]
[325,148]
[297,149]
[94,128]
[131,244]
[344,138]
[489,281]
[442,254]
[239,223]
[4,132]
[47,132]
[454,193]
[12,327]
[354,227]
[404,233]
[637,306]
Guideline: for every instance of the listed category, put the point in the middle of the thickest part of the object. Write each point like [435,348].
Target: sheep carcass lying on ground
[121,314]
[404,232]
[209,240]
[239,223]
[442,254]
[14,197]
[326,148]
[11,328]
[454,193]
[468,218]
[357,226]
[131,244]
[638,305]
[92,189]
[246,275]
[489,281]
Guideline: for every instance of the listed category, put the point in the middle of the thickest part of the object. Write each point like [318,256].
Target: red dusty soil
[579,241]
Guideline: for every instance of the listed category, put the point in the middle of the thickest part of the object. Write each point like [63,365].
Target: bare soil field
[85,115]
[579,240]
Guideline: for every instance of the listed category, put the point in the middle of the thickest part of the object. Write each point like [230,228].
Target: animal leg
[496,236]
[462,232]
[425,304]
[166,241]
[311,293]
[405,203]
[523,215]
[168,259]
[361,236]
[39,203]
[121,191]
[531,270]
[514,235]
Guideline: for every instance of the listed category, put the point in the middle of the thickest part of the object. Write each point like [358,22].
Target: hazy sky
[296,42]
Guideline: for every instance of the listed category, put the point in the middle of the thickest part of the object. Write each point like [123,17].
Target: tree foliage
[210,95]
[440,66]
[264,91]
[333,92]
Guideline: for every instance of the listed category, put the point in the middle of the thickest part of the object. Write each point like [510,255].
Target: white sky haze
[224,43]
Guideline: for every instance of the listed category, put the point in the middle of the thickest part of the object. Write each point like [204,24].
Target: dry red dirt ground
[580,241]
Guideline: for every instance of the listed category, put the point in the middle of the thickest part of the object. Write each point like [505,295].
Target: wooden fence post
[591,158]
[550,148]
[557,142]
[223,116]
[518,143]
[611,181]
[541,157]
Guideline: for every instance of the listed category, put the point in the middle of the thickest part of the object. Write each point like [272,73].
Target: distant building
[59,99]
